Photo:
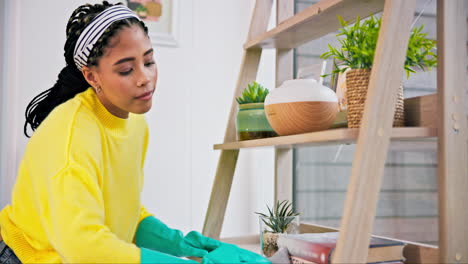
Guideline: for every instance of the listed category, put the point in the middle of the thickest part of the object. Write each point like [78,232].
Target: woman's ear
[91,76]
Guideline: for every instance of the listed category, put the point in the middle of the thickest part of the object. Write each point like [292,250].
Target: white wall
[2,84]
[8,83]
[191,106]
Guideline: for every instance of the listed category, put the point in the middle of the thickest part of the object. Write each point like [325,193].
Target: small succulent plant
[280,218]
[254,93]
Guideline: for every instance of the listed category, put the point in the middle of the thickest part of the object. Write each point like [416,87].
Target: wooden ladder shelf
[376,132]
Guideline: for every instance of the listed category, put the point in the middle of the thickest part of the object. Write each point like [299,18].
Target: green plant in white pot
[281,220]
[356,57]
[251,121]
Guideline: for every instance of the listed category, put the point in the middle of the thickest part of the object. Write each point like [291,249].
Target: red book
[319,247]
[298,260]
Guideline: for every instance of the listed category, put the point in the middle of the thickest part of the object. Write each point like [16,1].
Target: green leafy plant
[358,43]
[254,93]
[280,218]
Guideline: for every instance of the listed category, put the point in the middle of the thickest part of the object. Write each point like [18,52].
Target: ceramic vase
[251,122]
[301,106]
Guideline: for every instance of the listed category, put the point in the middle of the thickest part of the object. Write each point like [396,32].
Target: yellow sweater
[77,194]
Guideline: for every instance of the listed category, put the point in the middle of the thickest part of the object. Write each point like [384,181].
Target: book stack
[318,248]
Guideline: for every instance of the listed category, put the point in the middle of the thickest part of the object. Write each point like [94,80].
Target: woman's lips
[145,96]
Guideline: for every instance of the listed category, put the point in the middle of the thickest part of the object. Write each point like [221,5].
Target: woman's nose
[143,78]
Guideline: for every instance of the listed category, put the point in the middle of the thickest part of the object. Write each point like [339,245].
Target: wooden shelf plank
[341,135]
[314,22]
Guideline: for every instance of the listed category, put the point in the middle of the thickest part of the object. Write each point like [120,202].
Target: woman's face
[126,73]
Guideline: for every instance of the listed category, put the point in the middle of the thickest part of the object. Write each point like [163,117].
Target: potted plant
[356,56]
[251,121]
[282,220]
[141,11]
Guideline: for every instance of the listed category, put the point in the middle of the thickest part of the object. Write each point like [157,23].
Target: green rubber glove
[220,252]
[228,254]
[154,234]
[149,256]
[198,240]
[223,254]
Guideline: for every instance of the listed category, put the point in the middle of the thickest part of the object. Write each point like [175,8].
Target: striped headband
[95,29]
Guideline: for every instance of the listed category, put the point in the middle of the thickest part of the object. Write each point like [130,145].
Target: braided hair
[70,80]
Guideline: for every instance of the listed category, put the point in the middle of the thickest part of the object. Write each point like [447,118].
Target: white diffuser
[301,106]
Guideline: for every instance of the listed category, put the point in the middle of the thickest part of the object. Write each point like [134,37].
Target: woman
[77,195]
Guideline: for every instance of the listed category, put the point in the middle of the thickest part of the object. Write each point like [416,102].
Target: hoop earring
[98,89]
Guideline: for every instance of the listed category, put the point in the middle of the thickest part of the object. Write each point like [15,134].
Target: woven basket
[357,81]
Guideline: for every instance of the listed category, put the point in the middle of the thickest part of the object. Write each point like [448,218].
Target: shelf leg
[284,174]
[374,134]
[220,193]
[228,159]
[284,71]
[452,131]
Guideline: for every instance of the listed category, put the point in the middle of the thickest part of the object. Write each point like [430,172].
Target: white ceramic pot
[301,106]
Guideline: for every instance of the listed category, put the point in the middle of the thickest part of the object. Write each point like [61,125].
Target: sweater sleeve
[144,213]
[74,221]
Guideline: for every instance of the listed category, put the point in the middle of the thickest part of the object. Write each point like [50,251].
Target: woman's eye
[149,63]
[124,73]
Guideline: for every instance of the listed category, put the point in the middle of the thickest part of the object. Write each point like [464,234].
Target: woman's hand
[219,252]
[154,234]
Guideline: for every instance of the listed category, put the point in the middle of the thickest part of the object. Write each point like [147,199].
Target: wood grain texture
[421,111]
[331,136]
[228,158]
[301,117]
[283,182]
[220,193]
[314,228]
[284,169]
[247,74]
[420,253]
[314,22]
[453,136]
[375,133]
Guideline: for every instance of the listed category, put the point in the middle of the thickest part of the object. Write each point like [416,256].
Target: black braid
[70,80]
